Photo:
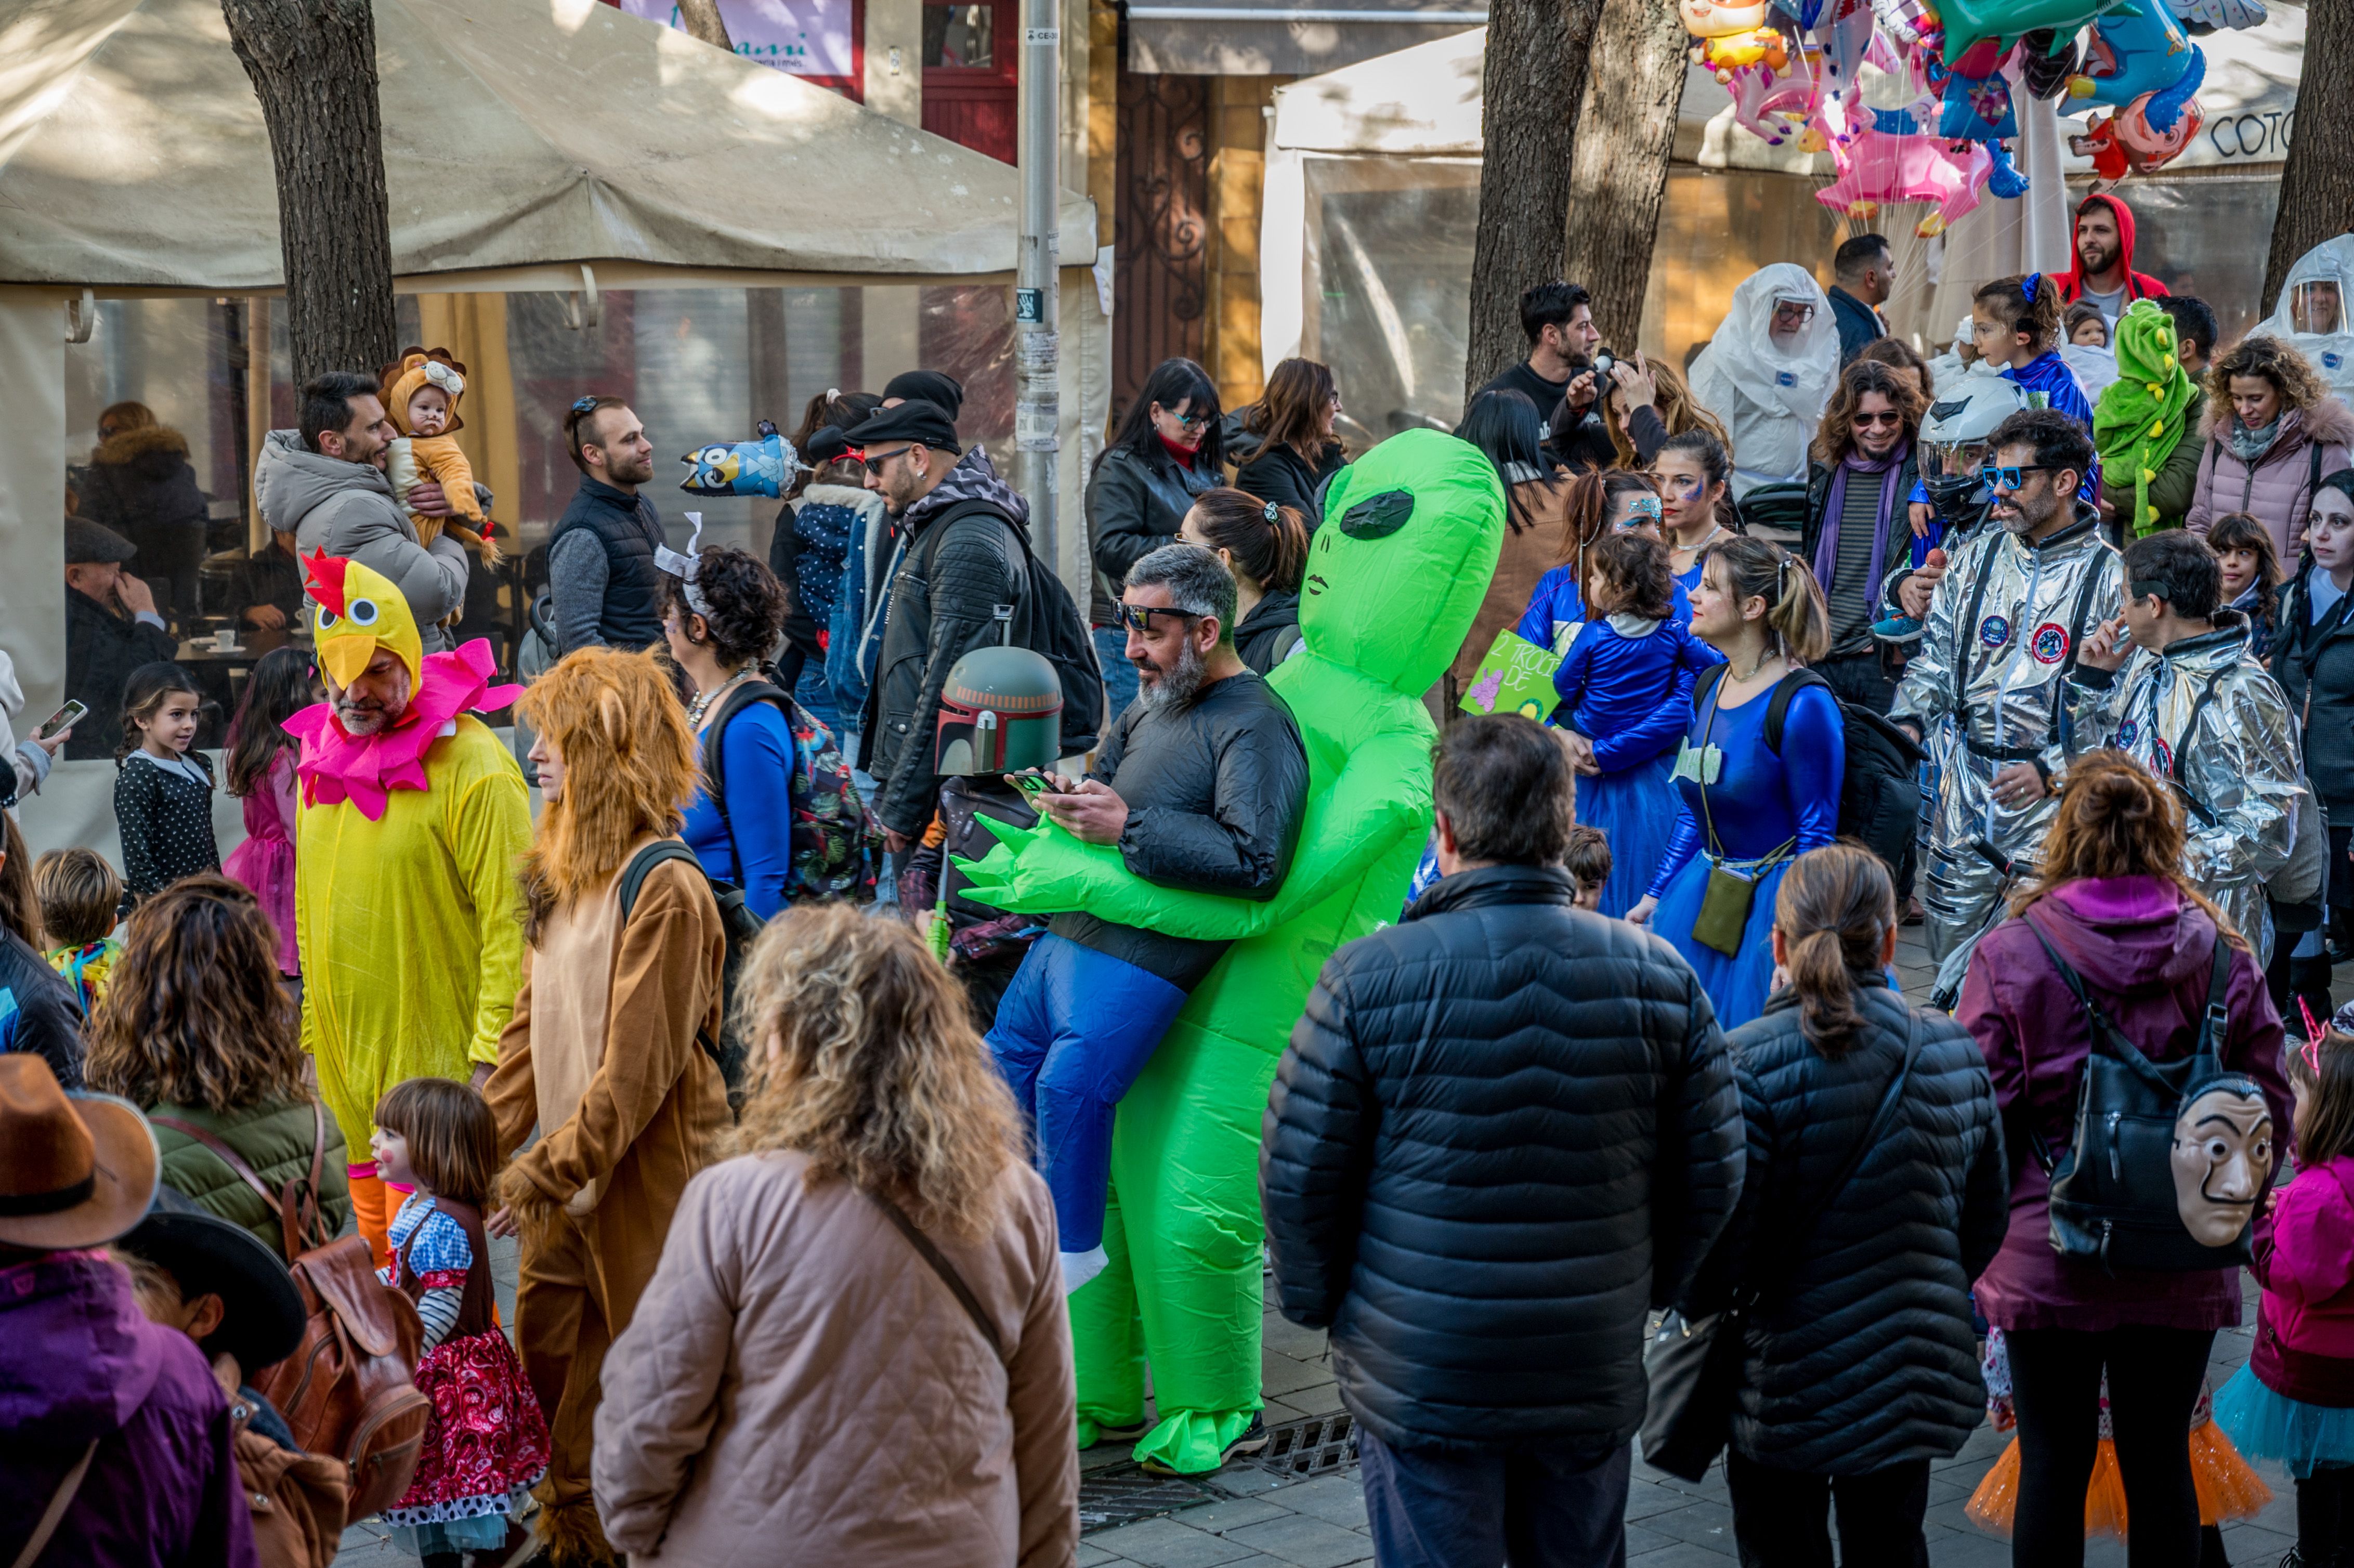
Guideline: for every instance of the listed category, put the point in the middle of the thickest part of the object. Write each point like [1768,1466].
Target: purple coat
[2145,952]
[78,1361]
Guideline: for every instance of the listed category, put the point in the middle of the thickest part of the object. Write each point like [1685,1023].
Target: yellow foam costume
[406,848]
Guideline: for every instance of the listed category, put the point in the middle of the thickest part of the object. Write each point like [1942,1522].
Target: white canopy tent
[1373,174]
[529,145]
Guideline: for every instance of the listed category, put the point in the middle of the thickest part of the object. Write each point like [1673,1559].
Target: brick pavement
[1253,1518]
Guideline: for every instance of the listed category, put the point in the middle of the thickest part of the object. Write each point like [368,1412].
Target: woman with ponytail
[1753,793]
[2112,903]
[1859,1364]
[1265,547]
[1602,503]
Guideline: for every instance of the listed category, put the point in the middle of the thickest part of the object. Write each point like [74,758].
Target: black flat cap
[87,544]
[914,420]
[936,387]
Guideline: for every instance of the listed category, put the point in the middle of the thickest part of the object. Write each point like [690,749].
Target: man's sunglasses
[2012,476]
[1138,616]
[1890,418]
[873,463]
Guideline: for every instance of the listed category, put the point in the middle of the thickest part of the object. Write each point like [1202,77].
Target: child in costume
[1588,864]
[486,1444]
[1411,534]
[2016,324]
[2228,1489]
[422,402]
[2293,1400]
[81,902]
[262,756]
[1626,695]
[163,785]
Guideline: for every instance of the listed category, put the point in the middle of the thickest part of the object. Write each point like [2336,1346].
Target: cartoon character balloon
[1734,36]
[2139,50]
[2123,142]
[762,466]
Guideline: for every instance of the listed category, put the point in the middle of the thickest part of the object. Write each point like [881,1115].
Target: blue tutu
[1634,809]
[1737,986]
[2264,1424]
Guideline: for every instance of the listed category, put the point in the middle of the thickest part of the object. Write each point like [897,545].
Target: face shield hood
[2314,310]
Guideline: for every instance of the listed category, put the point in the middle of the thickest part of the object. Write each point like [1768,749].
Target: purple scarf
[1835,505]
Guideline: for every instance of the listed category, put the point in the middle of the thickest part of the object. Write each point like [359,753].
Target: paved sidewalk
[1251,1517]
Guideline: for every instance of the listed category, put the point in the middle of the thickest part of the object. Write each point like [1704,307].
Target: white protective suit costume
[2004,628]
[1770,396]
[2205,716]
[2316,311]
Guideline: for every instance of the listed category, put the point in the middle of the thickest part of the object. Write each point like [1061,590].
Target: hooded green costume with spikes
[1393,578]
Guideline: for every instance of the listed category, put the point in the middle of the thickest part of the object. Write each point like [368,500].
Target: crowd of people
[921,1004]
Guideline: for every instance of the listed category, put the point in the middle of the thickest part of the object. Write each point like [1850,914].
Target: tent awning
[526,134]
[1287,37]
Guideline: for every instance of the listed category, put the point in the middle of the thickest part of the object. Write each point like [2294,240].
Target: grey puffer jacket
[1862,1353]
[1504,1130]
[347,509]
[957,570]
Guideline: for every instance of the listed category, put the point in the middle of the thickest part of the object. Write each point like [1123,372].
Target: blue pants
[1531,1505]
[1119,675]
[1074,1030]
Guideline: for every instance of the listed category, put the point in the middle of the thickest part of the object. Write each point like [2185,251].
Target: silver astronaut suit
[2004,627]
[2205,715]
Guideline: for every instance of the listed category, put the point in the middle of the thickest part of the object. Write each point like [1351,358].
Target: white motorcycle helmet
[1955,443]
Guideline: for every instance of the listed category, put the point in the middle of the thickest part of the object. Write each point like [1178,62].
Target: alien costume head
[1396,575]
[2223,1159]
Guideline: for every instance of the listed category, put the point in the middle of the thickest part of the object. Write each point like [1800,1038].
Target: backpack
[1058,632]
[735,918]
[348,1390]
[836,843]
[1880,796]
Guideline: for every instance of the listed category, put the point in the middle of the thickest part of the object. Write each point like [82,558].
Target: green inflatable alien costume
[1393,578]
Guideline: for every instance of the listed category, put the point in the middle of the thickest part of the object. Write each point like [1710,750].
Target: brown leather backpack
[347,1391]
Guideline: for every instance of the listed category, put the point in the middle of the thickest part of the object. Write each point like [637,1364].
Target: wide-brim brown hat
[76,1171]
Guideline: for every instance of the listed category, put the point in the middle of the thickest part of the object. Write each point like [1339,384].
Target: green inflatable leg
[1108,1339]
[1185,1150]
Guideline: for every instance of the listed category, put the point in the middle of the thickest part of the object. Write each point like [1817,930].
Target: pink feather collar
[335,767]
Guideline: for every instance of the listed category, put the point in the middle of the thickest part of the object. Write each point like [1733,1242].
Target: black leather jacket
[1281,475]
[2315,665]
[1504,1130]
[1135,502]
[1215,791]
[1861,1353]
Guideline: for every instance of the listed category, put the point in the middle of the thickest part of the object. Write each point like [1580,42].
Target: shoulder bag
[940,1266]
[1695,1368]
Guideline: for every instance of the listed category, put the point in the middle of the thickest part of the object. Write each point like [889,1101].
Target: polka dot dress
[165,812]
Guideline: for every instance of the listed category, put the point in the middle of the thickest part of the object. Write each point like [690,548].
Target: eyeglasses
[1187,422]
[1792,311]
[2012,476]
[874,463]
[1138,616]
[1890,419]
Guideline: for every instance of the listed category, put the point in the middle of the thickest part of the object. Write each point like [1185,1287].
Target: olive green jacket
[275,1139]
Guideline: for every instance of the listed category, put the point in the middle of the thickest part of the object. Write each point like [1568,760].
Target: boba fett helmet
[1001,711]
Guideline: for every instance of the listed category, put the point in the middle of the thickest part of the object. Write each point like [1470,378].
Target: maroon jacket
[2145,952]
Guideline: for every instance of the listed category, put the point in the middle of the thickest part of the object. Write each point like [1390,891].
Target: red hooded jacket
[2139,285]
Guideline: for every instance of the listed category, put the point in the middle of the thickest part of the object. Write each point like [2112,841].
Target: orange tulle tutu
[2228,1489]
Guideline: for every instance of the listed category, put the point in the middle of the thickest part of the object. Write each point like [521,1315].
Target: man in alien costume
[1394,576]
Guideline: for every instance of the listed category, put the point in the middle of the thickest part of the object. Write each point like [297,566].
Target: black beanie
[934,386]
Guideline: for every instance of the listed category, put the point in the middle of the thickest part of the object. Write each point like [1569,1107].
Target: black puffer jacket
[1861,1353]
[1504,1131]
[1135,502]
[2315,665]
[943,600]
[1271,631]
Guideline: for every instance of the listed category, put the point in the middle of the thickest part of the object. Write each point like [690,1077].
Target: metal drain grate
[1123,1493]
[1316,1446]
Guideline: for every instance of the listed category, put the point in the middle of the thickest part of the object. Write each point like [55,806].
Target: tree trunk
[313,67]
[1634,88]
[2316,191]
[702,20]
[1534,85]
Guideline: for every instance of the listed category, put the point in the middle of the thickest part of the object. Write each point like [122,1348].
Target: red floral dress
[487,1444]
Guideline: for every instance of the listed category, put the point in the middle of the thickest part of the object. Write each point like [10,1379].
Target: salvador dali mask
[2223,1159]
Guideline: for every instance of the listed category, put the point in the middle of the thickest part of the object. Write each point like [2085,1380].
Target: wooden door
[1162,238]
[971,53]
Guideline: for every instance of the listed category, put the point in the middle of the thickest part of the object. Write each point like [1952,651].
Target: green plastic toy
[1395,577]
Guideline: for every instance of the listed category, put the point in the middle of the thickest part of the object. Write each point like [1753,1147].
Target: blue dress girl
[1625,695]
[1748,808]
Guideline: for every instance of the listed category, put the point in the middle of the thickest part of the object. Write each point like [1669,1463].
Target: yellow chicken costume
[406,848]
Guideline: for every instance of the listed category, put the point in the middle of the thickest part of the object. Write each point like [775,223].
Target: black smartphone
[1033,784]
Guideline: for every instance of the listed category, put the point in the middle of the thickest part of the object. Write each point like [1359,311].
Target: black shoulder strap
[2075,644]
[642,865]
[1777,707]
[2199,808]
[944,1268]
[2217,1018]
[714,765]
[1710,681]
[1966,628]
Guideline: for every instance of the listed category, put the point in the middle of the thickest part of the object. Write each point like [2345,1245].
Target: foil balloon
[1977,105]
[2139,50]
[2123,143]
[1776,105]
[2208,16]
[2045,64]
[1909,23]
[1733,37]
[1884,168]
[1969,23]
[762,466]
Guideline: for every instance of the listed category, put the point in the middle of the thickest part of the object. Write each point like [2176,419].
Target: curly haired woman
[195,1027]
[602,1055]
[2272,428]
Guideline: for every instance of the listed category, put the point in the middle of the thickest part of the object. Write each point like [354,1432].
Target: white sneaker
[1078,1267]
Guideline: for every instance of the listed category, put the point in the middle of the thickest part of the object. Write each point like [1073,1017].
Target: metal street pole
[1037,408]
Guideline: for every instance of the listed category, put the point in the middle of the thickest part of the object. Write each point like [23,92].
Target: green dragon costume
[1394,576]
